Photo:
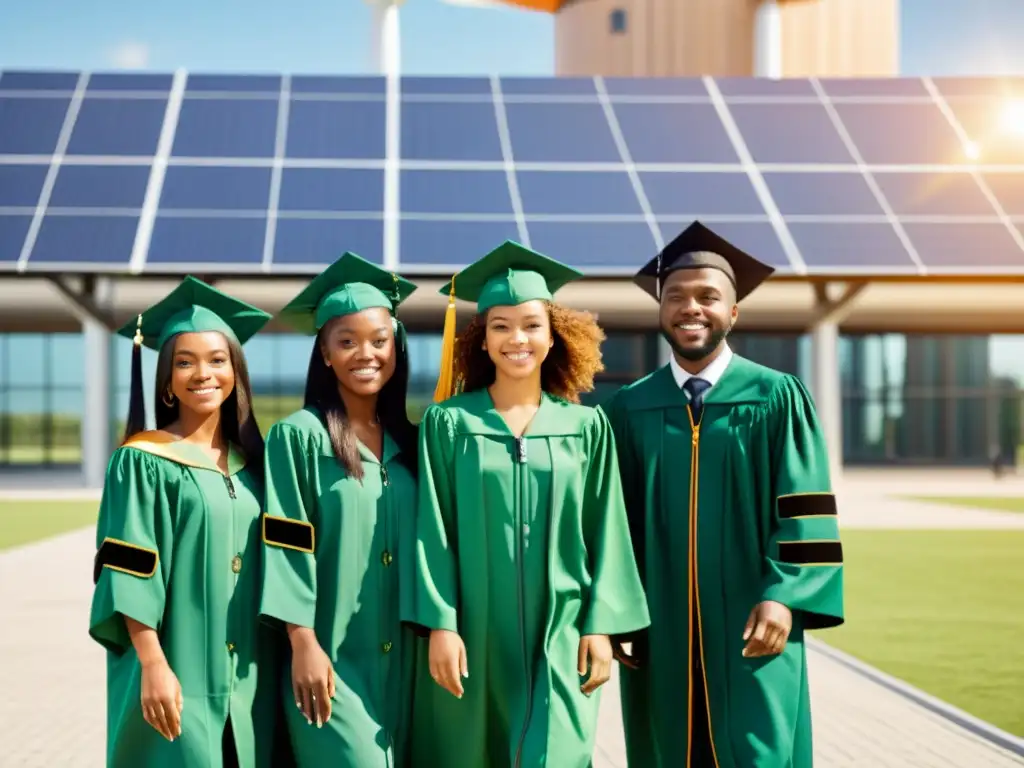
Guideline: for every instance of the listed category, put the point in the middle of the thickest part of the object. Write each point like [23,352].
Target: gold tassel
[445,384]
[138,333]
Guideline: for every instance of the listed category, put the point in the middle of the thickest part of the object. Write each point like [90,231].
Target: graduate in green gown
[524,564]
[191,677]
[734,522]
[340,524]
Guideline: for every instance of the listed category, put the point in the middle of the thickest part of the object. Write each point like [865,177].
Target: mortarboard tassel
[136,421]
[445,384]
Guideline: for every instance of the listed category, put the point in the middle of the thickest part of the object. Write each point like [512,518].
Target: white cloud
[130,56]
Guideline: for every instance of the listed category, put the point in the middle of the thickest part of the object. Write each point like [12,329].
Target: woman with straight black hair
[191,677]
[339,524]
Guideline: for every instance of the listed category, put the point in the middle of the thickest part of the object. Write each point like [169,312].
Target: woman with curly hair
[524,563]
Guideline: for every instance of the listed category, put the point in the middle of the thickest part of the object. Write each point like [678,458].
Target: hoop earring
[168,398]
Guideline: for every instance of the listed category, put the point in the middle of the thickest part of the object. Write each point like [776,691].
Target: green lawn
[22,522]
[943,610]
[998,503]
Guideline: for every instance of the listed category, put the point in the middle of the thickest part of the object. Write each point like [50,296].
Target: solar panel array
[156,173]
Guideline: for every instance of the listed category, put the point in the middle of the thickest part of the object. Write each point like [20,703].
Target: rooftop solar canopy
[165,174]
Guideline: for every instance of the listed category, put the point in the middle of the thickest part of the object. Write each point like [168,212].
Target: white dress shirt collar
[711,374]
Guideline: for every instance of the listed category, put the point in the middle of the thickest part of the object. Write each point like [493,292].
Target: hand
[767,629]
[598,649]
[161,699]
[622,652]
[448,661]
[312,677]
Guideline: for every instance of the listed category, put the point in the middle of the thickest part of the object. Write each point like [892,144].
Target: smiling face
[698,309]
[518,338]
[360,349]
[202,375]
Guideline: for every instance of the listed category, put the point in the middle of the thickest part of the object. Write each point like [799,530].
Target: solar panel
[552,132]
[674,133]
[113,127]
[822,194]
[790,133]
[428,132]
[226,128]
[98,186]
[268,173]
[20,185]
[30,126]
[934,194]
[707,196]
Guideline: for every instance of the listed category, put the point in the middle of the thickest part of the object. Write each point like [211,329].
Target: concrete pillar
[98,393]
[827,391]
[664,352]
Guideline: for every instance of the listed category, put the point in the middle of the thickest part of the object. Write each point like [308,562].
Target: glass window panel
[64,440]
[1006,355]
[29,432]
[66,354]
[26,355]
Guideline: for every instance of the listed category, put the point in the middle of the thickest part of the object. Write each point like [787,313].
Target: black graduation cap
[697,247]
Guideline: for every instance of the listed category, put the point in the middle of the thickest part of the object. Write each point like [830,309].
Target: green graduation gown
[179,551]
[523,547]
[726,513]
[336,554]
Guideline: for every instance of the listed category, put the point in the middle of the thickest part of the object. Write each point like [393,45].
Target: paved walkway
[52,676]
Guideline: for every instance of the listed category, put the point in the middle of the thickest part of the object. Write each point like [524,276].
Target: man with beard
[734,525]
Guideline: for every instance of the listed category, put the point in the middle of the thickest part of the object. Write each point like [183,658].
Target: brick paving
[52,675]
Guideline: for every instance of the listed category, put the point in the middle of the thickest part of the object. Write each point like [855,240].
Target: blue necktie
[696,388]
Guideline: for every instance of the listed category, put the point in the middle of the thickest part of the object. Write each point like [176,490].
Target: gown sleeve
[289,563]
[133,549]
[435,590]
[805,556]
[617,604]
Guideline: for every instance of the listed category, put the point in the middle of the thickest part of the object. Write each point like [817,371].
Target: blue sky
[331,36]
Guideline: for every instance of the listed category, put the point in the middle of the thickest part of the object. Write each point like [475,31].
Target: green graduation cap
[195,307]
[510,275]
[192,307]
[351,284]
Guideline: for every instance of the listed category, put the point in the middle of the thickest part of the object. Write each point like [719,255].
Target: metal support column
[827,391]
[826,383]
[96,425]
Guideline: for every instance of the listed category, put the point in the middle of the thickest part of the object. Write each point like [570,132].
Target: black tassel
[136,421]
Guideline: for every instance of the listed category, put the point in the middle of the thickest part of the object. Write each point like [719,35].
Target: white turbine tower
[386,39]
[768,40]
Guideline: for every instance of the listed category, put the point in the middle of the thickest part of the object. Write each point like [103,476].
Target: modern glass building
[906,399]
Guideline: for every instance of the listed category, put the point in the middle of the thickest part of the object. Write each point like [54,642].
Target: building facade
[910,399]
[678,38]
